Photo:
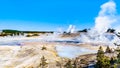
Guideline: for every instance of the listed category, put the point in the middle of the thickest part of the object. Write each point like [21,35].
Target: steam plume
[106,17]
[71,29]
[104,20]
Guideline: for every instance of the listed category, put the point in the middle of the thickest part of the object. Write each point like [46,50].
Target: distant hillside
[11,31]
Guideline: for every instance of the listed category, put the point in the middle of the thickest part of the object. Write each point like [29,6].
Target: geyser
[105,19]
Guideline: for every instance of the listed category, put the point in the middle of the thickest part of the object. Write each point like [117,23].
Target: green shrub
[43,63]
[44,48]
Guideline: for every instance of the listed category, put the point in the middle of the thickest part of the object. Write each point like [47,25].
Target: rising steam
[105,19]
[71,29]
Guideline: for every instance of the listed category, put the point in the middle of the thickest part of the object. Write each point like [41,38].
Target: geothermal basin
[63,48]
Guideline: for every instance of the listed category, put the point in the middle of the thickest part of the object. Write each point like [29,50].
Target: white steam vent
[71,29]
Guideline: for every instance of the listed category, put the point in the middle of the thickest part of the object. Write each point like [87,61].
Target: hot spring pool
[16,42]
[72,51]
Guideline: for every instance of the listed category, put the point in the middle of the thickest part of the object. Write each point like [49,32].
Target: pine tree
[106,62]
[44,48]
[68,64]
[43,63]
[100,53]
[59,64]
[108,50]
[112,62]
[100,56]
[102,60]
[75,63]
[118,57]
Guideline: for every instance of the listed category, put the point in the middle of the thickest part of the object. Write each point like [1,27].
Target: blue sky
[49,15]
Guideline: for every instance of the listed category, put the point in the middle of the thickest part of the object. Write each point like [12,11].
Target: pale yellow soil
[25,56]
